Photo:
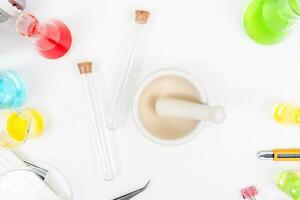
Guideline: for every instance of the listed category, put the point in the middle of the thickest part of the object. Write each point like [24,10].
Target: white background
[205,38]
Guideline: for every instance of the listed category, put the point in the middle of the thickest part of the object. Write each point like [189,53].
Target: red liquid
[54,40]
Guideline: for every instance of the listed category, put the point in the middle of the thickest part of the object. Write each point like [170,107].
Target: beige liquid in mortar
[167,128]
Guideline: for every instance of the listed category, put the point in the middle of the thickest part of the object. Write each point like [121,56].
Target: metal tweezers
[39,171]
[133,194]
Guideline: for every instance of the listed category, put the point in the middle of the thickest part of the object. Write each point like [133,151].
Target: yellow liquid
[287,114]
[17,127]
[27,123]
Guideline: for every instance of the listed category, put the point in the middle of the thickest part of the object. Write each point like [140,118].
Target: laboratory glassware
[16,126]
[120,100]
[285,113]
[13,90]
[100,137]
[51,39]
[270,21]
[289,183]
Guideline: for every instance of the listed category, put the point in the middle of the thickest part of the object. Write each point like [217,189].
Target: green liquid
[270,21]
[289,183]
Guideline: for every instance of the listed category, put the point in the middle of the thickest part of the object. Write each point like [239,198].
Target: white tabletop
[205,38]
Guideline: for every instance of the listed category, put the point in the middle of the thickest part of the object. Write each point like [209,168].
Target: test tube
[100,137]
[120,102]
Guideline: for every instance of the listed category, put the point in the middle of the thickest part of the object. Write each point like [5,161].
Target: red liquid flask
[52,39]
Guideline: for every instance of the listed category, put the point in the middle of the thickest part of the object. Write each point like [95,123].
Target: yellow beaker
[16,126]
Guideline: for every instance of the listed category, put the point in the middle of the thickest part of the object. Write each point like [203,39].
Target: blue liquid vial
[13,90]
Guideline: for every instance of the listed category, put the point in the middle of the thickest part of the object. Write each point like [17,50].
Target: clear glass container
[17,126]
[102,143]
[127,74]
[269,22]
[287,114]
[289,183]
[51,39]
[13,90]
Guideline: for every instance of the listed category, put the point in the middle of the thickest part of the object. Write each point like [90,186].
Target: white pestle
[171,107]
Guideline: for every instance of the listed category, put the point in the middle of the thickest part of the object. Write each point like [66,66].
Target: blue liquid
[13,90]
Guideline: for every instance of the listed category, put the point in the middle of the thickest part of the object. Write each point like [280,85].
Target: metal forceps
[133,194]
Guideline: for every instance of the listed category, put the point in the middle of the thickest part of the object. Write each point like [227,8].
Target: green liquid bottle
[289,183]
[270,21]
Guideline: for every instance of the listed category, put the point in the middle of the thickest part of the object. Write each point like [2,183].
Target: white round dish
[149,79]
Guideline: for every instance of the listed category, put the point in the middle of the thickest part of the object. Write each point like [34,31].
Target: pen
[280,155]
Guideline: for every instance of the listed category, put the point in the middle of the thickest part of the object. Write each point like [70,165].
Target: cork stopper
[142,16]
[85,67]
